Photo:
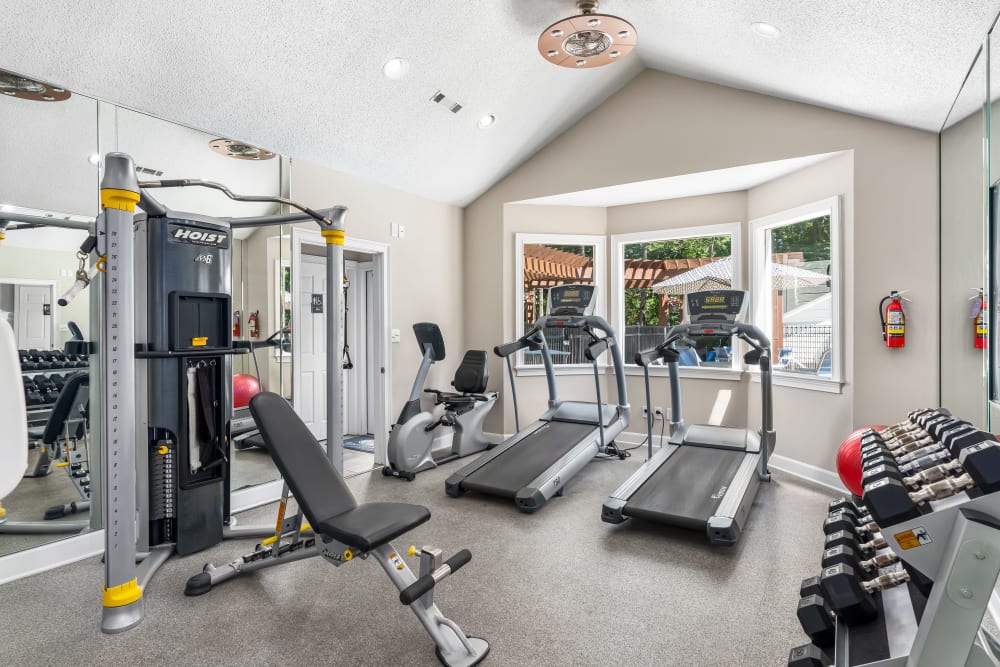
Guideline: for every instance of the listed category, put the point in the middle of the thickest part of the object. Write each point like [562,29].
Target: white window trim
[760,308]
[618,243]
[600,254]
[279,264]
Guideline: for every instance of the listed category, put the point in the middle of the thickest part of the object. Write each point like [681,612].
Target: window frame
[618,242]
[599,241]
[760,308]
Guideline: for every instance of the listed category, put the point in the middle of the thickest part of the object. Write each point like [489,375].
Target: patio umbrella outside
[720,275]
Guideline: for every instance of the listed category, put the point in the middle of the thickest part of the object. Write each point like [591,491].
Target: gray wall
[663,125]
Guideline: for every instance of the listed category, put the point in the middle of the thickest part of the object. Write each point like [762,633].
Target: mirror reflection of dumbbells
[896,489]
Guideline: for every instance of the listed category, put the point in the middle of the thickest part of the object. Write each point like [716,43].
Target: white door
[33,316]
[310,339]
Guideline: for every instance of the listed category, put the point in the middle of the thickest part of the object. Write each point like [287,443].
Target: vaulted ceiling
[304,78]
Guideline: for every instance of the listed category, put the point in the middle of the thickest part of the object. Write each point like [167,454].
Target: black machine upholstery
[71,404]
[325,499]
[473,373]
[470,379]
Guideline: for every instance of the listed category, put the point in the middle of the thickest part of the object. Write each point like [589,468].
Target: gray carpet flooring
[558,587]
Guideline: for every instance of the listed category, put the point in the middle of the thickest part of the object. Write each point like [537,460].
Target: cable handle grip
[596,349]
[426,583]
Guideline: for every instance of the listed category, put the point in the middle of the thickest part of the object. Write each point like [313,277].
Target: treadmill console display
[720,305]
[571,299]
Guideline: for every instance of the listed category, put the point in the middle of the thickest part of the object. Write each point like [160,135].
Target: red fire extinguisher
[980,320]
[236,324]
[252,324]
[893,319]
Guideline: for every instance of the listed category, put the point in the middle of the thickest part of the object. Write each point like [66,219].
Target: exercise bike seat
[470,379]
[319,489]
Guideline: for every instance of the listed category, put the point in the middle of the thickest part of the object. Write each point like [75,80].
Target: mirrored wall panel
[48,198]
[259,271]
[964,248]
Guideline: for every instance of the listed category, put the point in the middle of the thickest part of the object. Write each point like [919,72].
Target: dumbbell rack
[952,553]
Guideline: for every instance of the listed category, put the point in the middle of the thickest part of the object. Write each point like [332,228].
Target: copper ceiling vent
[15,85]
[587,40]
[239,150]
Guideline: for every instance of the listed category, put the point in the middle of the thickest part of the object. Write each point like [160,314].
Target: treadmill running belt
[688,487]
[514,469]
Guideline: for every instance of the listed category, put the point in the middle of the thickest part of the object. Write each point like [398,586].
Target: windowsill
[697,372]
[560,369]
[810,382]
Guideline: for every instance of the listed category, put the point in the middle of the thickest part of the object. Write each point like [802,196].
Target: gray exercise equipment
[164,283]
[704,477]
[63,445]
[411,440]
[536,463]
[340,530]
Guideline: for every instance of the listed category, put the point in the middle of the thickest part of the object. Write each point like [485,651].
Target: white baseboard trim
[808,472]
[253,497]
[62,551]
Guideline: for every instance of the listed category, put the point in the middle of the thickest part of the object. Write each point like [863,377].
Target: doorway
[365,335]
[28,306]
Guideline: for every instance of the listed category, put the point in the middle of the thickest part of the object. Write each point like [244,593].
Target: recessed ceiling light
[765,29]
[94,159]
[486,121]
[396,68]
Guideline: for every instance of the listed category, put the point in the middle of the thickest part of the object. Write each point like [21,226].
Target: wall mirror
[166,150]
[48,198]
[964,245]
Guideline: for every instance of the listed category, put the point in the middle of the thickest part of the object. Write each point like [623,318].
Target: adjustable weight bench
[340,530]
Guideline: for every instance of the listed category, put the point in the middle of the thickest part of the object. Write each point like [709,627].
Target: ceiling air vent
[445,101]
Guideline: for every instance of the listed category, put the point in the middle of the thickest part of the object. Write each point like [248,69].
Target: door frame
[379,332]
[54,318]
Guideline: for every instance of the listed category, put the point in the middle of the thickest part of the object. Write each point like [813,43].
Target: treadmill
[704,477]
[535,464]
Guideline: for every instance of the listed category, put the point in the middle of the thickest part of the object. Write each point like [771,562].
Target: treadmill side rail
[727,525]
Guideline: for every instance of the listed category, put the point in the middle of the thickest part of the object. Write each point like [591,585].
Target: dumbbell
[808,655]
[816,619]
[949,468]
[951,439]
[843,522]
[846,555]
[58,380]
[866,549]
[43,383]
[850,597]
[908,464]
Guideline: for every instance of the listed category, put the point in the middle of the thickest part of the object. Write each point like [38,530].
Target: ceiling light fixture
[396,68]
[588,39]
[94,159]
[765,29]
[486,121]
[15,85]
[239,150]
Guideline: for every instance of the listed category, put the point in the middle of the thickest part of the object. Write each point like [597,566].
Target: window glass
[801,300]
[547,265]
[657,275]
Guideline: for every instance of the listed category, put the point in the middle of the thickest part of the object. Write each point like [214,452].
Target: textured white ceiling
[716,181]
[304,77]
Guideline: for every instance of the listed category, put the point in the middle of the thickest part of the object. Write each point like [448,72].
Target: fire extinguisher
[980,320]
[236,324]
[893,319]
[252,324]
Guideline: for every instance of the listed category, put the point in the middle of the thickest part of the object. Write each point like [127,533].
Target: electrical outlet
[658,412]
